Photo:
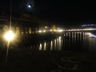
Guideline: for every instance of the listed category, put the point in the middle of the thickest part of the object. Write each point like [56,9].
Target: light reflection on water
[51,45]
[75,41]
[56,44]
[91,34]
[45,46]
[68,41]
[40,47]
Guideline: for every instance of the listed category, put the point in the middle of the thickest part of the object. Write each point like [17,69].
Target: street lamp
[9,36]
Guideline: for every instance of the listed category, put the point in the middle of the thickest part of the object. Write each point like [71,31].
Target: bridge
[81,30]
[29,28]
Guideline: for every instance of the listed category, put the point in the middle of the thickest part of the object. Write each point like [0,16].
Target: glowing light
[59,37]
[51,30]
[40,31]
[46,27]
[91,35]
[9,35]
[44,30]
[29,6]
[89,29]
[40,47]
[60,30]
[51,45]
[45,46]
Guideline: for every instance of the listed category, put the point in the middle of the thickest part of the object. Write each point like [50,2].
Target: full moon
[29,6]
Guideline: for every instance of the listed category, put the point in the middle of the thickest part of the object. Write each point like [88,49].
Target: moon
[29,6]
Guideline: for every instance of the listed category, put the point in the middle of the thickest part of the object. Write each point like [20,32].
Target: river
[69,52]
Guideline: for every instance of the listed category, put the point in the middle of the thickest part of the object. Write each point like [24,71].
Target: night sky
[63,11]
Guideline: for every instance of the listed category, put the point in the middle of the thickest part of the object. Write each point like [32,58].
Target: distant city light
[44,30]
[91,35]
[87,25]
[51,30]
[40,31]
[60,30]
[89,29]
[46,26]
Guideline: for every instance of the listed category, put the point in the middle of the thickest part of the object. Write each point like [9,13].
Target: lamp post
[8,36]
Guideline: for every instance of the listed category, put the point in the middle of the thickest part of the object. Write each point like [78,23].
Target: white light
[60,30]
[51,30]
[46,27]
[91,35]
[44,31]
[29,6]
[40,31]
[59,37]
[9,35]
